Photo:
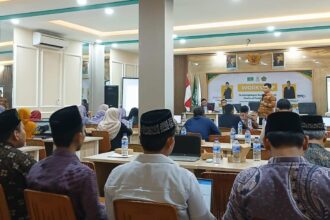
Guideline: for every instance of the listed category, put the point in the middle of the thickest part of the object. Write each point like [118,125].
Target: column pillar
[156,87]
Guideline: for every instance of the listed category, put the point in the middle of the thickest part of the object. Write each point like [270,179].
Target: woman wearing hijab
[111,123]
[29,126]
[35,116]
[99,116]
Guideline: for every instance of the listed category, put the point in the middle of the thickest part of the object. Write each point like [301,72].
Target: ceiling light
[293,49]
[304,57]
[109,11]
[6,44]
[2,68]
[220,53]
[82,2]
[270,28]
[174,36]
[14,21]
[182,41]
[114,45]
[277,34]
[98,41]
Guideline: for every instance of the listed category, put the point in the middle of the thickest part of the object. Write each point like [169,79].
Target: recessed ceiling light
[14,21]
[277,34]
[174,36]
[109,11]
[220,53]
[317,62]
[304,57]
[270,28]
[114,45]
[182,41]
[98,41]
[82,2]
[293,49]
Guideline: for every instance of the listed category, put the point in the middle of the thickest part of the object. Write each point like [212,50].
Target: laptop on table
[206,186]
[186,148]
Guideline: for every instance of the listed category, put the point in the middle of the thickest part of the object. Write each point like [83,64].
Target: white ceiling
[186,12]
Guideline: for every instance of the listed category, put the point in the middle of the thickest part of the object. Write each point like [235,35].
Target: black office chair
[254,106]
[210,106]
[237,107]
[189,145]
[308,108]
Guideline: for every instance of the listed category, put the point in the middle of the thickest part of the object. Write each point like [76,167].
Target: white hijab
[111,122]
[103,107]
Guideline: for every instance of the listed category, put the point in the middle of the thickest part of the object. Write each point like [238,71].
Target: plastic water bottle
[183,119]
[250,124]
[130,123]
[248,137]
[124,146]
[240,128]
[232,135]
[216,152]
[256,149]
[205,109]
[264,122]
[183,131]
[236,149]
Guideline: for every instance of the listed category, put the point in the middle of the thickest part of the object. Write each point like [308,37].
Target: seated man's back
[200,124]
[153,176]
[288,187]
[285,188]
[14,164]
[156,178]
[63,173]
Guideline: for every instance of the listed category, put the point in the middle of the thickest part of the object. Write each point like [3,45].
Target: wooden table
[105,164]
[89,148]
[33,151]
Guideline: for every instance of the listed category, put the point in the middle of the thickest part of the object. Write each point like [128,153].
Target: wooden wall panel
[180,71]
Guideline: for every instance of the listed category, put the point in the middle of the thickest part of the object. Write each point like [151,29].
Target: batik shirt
[63,173]
[316,154]
[14,166]
[287,188]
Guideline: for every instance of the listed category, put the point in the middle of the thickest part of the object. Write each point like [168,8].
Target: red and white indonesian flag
[187,97]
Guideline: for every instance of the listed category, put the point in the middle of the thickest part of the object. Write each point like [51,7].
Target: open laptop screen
[206,189]
[326,121]
[177,118]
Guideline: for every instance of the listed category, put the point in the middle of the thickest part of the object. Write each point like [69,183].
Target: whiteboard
[130,93]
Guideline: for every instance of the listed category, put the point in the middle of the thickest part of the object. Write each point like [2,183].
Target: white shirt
[155,177]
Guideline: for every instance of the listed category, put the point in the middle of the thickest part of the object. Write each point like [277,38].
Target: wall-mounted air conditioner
[44,40]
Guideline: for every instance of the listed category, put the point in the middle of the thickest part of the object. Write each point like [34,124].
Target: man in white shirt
[153,176]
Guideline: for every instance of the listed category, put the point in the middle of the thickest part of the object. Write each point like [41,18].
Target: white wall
[45,79]
[122,64]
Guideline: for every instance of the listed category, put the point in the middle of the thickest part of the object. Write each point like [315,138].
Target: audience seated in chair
[112,124]
[152,176]
[62,173]
[201,124]
[14,164]
[288,187]
[228,119]
[315,130]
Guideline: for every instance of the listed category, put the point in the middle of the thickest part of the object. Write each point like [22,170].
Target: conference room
[164,109]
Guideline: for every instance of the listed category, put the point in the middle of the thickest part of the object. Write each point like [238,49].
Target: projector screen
[130,93]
